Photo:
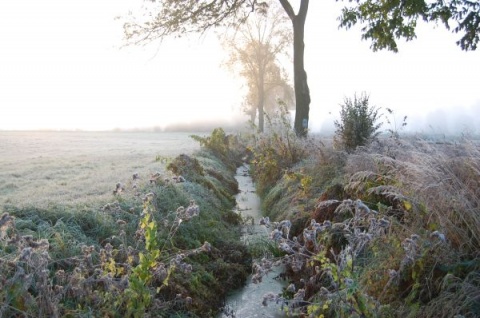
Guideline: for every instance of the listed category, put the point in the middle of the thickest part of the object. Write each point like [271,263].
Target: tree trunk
[261,102]
[253,113]
[302,92]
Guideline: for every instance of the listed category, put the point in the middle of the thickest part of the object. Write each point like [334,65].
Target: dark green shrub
[217,142]
[358,123]
[187,167]
[225,147]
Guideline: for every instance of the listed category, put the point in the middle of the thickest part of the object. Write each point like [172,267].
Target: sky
[63,65]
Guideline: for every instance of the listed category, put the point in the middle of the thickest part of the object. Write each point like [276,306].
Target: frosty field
[71,168]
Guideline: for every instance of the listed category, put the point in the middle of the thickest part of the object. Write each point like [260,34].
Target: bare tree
[254,49]
[173,17]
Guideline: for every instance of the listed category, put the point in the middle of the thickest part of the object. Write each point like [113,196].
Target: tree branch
[302,13]
[288,9]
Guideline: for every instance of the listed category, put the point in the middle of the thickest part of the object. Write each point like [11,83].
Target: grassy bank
[164,245]
[390,230]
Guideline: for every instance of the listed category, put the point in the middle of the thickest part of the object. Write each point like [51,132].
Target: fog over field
[68,74]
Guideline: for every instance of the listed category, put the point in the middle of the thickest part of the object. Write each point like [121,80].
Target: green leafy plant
[358,123]
[139,295]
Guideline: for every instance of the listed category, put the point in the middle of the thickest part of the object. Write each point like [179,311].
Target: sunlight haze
[62,67]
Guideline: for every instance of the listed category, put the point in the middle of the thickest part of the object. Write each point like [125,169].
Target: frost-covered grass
[79,168]
[390,230]
[158,239]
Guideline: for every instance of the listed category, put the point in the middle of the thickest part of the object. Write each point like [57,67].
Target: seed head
[438,235]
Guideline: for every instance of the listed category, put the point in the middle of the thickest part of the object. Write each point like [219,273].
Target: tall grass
[390,230]
[444,178]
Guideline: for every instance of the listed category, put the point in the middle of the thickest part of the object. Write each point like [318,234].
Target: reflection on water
[247,302]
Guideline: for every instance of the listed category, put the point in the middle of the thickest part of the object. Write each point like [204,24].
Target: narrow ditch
[247,301]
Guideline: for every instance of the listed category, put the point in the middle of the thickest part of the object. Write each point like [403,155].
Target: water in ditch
[247,301]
